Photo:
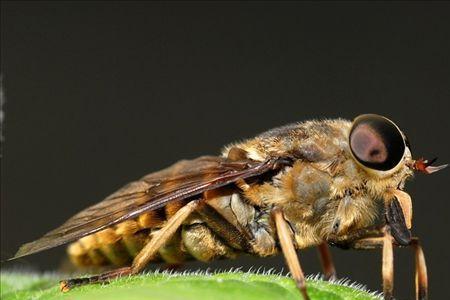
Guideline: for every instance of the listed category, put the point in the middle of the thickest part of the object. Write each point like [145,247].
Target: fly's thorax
[312,140]
[307,200]
[319,202]
[305,186]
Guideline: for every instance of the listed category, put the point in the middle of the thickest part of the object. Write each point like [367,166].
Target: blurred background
[101,93]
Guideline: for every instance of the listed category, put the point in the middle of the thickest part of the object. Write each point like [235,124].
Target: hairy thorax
[318,204]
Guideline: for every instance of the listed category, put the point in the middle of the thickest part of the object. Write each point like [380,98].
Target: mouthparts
[425,166]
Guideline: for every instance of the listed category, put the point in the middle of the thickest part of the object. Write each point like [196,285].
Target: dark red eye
[376,142]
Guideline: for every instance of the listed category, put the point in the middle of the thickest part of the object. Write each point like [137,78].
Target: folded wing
[186,179]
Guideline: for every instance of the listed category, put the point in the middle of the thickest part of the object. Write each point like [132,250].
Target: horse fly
[314,183]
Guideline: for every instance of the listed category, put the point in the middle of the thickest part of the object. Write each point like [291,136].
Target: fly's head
[382,151]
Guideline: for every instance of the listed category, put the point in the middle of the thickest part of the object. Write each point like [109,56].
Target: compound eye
[376,142]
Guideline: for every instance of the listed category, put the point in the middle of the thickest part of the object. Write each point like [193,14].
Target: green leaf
[176,286]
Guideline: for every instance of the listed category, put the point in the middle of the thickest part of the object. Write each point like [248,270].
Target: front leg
[326,261]
[421,278]
[398,214]
[387,266]
[421,271]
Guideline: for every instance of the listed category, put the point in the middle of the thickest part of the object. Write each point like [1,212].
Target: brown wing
[185,179]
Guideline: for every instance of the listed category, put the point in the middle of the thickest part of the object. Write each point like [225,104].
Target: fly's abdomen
[119,244]
[116,245]
[203,237]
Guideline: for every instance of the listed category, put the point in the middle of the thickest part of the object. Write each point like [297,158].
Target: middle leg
[287,246]
[326,260]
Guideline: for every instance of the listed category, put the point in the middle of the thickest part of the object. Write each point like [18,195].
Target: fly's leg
[421,271]
[66,285]
[171,267]
[387,269]
[242,233]
[287,246]
[238,238]
[144,256]
[386,243]
[326,260]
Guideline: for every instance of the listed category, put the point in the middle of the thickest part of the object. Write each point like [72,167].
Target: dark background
[99,94]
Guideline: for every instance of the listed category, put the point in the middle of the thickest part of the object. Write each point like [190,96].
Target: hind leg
[145,255]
